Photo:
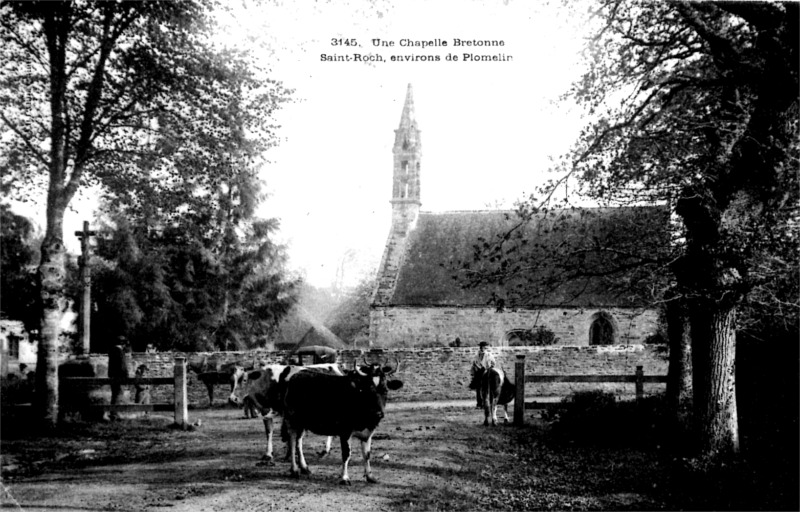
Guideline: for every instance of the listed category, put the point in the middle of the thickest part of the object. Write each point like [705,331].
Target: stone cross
[84,328]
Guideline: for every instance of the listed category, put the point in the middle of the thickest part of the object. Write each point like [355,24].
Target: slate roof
[442,243]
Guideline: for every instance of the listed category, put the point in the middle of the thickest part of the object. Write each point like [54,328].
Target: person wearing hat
[484,360]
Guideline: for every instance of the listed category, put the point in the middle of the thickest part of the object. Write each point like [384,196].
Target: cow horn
[358,370]
[364,358]
[396,365]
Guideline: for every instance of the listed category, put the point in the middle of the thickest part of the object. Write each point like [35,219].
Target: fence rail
[638,378]
[178,380]
[105,381]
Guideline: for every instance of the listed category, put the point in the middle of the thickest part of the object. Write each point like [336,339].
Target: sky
[489,129]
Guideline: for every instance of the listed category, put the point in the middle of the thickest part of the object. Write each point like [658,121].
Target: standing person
[142,390]
[484,360]
[118,358]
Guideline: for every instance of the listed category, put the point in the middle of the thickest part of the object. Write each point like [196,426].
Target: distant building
[417,301]
[300,328]
[15,347]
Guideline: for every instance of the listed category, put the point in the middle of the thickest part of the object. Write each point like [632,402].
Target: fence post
[519,399]
[639,383]
[181,401]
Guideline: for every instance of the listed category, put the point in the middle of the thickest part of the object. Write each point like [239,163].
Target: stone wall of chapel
[396,327]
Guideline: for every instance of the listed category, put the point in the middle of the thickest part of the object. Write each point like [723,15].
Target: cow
[346,406]
[212,371]
[260,389]
[210,379]
[495,389]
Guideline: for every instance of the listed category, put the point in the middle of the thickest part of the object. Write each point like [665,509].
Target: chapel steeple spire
[406,203]
[408,119]
[407,156]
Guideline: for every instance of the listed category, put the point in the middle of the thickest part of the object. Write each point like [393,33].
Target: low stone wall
[438,373]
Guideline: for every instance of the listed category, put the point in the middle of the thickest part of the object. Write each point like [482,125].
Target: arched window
[603,330]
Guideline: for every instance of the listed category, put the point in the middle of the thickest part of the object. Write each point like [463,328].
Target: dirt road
[420,452]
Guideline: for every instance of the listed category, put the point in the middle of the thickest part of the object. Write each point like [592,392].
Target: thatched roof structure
[301,328]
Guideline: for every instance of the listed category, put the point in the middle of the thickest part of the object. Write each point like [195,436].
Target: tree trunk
[679,376]
[51,276]
[713,359]
[52,269]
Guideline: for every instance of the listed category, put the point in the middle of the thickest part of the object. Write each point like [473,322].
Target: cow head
[386,372]
[240,387]
[259,385]
[371,386]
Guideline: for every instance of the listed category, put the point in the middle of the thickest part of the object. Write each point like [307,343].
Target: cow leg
[303,466]
[268,427]
[210,388]
[486,400]
[294,472]
[492,398]
[366,450]
[248,407]
[327,449]
[505,413]
[490,409]
[285,438]
[345,440]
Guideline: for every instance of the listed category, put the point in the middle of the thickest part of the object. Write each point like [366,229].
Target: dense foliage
[693,106]
[167,292]
[17,258]
[138,100]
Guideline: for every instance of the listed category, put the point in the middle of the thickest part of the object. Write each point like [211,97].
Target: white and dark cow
[495,389]
[259,389]
[212,372]
[345,406]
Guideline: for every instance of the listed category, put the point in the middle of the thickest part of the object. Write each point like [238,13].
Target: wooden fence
[178,380]
[638,378]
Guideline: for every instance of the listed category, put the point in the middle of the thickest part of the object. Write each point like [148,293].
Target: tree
[693,106]
[696,106]
[17,259]
[131,96]
[257,295]
[176,294]
[350,320]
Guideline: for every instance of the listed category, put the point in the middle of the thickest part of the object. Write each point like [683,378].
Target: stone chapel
[418,303]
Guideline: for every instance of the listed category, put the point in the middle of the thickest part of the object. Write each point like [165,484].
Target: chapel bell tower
[406,177]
